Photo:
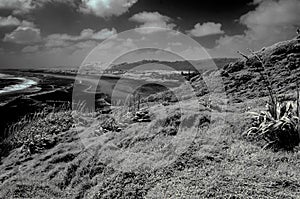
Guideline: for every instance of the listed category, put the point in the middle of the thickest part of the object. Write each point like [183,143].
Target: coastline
[25,83]
[55,89]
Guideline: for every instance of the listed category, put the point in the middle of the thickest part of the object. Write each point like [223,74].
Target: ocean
[9,83]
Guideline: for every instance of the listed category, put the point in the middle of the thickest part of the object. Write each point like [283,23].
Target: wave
[26,83]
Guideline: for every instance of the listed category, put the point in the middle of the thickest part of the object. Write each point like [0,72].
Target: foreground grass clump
[278,127]
[170,125]
[108,124]
[38,133]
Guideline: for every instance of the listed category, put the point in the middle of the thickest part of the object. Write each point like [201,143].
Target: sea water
[22,84]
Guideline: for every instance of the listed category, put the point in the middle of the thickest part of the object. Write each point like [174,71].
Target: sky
[68,33]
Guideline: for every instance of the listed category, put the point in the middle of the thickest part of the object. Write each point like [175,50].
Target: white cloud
[270,22]
[106,8]
[63,40]
[269,13]
[86,44]
[9,21]
[23,35]
[152,20]
[100,35]
[87,39]
[102,8]
[194,53]
[175,44]
[13,21]
[209,28]
[30,49]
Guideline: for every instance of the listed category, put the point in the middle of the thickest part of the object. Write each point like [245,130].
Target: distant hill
[176,65]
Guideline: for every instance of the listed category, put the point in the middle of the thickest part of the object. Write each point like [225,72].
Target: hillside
[193,148]
[176,65]
[242,79]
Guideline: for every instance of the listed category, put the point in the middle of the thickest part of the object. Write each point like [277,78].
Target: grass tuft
[36,133]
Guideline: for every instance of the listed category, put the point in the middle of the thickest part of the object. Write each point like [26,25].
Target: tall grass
[279,125]
[37,131]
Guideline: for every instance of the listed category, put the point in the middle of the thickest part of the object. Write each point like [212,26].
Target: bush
[108,124]
[278,126]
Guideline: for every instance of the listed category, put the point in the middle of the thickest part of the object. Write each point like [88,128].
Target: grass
[108,124]
[170,125]
[37,132]
[218,163]
[138,162]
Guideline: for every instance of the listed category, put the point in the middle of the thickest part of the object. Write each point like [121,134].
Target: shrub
[108,124]
[279,129]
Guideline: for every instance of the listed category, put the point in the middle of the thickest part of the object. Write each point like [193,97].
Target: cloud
[9,21]
[152,20]
[270,22]
[13,21]
[194,53]
[100,35]
[88,38]
[63,40]
[17,5]
[86,44]
[175,44]
[209,28]
[270,12]
[23,35]
[30,49]
[106,8]
[102,8]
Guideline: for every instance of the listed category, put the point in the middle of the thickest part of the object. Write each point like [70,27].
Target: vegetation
[108,124]
[176,65]
[279,128]
[197,152]
[37,132]
[279,125]
[170,125]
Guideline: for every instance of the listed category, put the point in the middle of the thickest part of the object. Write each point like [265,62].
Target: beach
[26,92]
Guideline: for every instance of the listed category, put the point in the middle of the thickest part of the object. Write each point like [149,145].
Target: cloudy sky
[54,33]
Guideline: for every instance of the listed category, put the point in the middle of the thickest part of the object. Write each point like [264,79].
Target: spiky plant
[279,129]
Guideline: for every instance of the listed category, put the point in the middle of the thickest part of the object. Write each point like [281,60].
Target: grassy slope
[177,65]
[141,160]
